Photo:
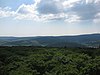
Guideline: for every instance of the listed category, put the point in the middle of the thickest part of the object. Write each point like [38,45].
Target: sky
[49,17]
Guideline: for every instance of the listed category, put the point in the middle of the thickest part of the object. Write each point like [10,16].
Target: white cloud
[97,18]
[4,12]
[71,11]
[92,1]
[26,9]
[26,17]
[70,3]
[52,17]
[72,19]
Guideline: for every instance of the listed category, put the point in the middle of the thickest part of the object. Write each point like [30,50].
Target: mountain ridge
[87,40]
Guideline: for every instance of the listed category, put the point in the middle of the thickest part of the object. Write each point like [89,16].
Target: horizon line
[50,35]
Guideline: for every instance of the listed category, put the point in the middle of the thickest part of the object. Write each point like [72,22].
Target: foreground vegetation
[49,61]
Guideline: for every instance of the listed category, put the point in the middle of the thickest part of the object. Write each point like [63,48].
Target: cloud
[72,19]
[5,12]
[97,18]
[53,17]
[70,11]
[26,12]
[86,11]
[92,1]
[26,9]
[49,7]
[70,3]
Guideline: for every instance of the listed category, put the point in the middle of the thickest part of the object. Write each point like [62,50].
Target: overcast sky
[49,17]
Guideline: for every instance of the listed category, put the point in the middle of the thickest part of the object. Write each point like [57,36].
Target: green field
[49,61]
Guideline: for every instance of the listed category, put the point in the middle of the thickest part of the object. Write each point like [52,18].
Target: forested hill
[88,40]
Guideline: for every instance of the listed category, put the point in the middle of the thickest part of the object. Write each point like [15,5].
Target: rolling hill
[88,40]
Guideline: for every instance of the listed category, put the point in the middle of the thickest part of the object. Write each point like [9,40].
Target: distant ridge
[86,40]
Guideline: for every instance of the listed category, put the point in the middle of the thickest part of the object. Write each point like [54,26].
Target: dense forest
[21,60]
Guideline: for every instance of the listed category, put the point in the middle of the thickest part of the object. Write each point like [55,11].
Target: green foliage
[49,61]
